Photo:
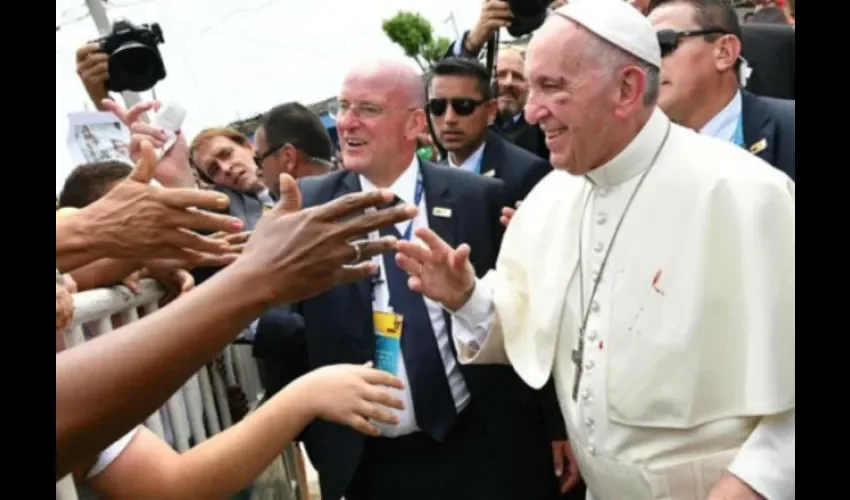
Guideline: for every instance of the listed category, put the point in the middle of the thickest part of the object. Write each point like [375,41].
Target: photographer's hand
[93,69]
[495,14]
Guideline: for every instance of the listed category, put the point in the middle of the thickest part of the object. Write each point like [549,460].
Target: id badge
[388,327]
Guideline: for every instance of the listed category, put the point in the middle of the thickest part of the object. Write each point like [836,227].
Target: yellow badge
[758,147]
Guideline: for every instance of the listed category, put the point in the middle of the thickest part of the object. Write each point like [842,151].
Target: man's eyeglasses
[462,106]
[669,40]
[260,158]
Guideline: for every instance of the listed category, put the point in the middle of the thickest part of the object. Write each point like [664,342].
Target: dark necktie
[433,403]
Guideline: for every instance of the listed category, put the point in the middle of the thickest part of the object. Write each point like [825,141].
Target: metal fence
[200,408]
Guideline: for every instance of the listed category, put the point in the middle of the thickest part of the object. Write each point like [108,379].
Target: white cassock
[688,364]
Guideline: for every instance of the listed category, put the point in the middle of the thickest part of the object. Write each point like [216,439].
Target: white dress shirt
[471,164]
[405,188]
[725,122]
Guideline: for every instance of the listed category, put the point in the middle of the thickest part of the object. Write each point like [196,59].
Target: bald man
[471,433]
[652,274]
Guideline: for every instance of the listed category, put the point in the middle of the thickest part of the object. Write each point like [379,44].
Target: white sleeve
[471,323]
[766,462]
[109,455]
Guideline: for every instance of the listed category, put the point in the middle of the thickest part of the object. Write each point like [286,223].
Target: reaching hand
[508,214]
[351,395]
[139,222]
[436,270]
[301,253]
[173,169]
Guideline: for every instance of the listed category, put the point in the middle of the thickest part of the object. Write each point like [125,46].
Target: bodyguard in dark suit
[471,434]
[461,104]
[512,92]
[701,87]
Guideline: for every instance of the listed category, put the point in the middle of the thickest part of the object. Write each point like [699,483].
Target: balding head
[589,96]
[510,76]
[381,115]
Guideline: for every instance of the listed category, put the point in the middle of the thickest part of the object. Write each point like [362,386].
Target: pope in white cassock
[652,274]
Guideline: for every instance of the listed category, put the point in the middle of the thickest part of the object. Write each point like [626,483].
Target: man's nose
[534,111]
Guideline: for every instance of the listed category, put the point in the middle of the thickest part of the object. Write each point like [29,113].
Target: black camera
[134,59]
[528,16]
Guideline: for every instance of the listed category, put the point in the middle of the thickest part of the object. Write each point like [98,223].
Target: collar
[470,163]
[636,157]
[723,125]
[404,187]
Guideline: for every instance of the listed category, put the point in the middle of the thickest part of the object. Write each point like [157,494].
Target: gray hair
[611,58]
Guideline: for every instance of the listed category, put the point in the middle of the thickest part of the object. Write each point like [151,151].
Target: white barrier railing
[200,408]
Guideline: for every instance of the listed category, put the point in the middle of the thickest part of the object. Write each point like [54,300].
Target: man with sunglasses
[651,275]
[701,87]
[462,107]
[292,140]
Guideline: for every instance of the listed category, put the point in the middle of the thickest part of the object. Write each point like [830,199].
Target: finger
[137,139]
[459,258]
[290,195]
[508,211]
[377,414]
[380,377]
[189,197]
[415,283]
[558,458]
[376,219]
[202,220]
[136,112]
[143,128]
[187,282]
[368,364]
[416,252]
[355,273]
[182,238]
[97,72]
[411,266]
[360,424]
[237,238]
[504,220]
[132,284]
[518,203]
[352,204]
[571,479]
[382,397]
[371,248]
[205,259]
[434,242]
[86,50]
[146,165]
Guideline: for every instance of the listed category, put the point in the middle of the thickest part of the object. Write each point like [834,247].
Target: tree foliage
[415,35]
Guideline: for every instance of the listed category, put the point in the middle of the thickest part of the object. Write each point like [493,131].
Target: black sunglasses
[462,106]
[669,40]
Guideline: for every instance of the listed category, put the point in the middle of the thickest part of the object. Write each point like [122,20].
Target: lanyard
[416,201]
[738,136]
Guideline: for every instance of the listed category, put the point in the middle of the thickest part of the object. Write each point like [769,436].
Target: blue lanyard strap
[420,189]
[738,136]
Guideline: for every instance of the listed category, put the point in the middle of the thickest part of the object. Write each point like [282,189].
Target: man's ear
[727,50]
[418,124]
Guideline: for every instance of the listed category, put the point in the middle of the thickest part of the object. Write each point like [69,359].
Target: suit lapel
[491,157]
[350,183]
[759,128]
[438,203]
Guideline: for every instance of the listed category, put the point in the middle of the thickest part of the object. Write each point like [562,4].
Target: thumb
[558,460]
[290,196]
[146,166]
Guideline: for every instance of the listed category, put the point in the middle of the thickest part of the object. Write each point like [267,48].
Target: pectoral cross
[578,358]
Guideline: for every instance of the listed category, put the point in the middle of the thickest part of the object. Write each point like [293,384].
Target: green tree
[415,35]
